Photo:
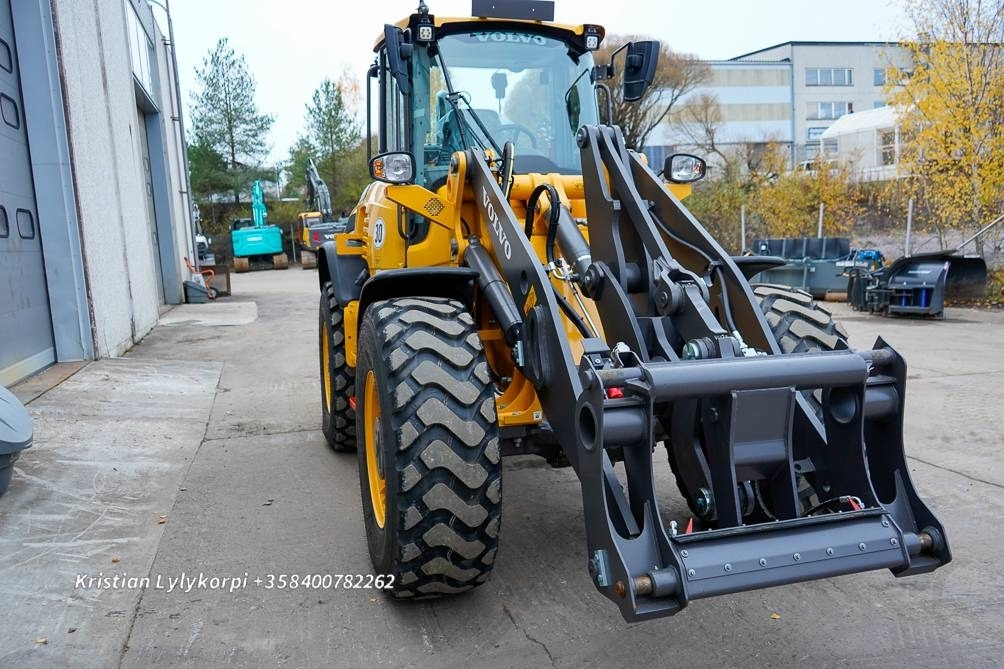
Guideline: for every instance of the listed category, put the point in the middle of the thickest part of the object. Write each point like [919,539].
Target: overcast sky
[291,45]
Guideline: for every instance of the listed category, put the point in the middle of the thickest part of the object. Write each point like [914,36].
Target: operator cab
[478,83]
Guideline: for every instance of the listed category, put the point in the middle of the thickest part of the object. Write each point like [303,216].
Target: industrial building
[789,93]
[95,220]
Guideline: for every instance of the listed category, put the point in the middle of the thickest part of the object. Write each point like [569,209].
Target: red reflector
[352,402]
[614,393]
[690,526]
[316,236]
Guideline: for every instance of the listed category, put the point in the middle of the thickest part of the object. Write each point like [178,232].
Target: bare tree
[676,75]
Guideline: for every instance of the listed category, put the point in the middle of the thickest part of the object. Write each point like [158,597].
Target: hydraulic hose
[552,221]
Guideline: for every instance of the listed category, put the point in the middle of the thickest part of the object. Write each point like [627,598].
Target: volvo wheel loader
[517,280]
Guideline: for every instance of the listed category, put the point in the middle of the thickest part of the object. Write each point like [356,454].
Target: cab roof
[453,25]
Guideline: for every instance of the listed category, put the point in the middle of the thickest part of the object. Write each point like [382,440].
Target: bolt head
[691,573]
[763,562]
[704,503]
[796,557]
[894,541]
[862,546]
[728,567]
[829,551]
[685,553]
[620,589]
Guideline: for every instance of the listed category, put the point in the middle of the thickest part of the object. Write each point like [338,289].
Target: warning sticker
[531,301]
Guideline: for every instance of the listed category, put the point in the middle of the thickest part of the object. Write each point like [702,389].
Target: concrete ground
[200,453]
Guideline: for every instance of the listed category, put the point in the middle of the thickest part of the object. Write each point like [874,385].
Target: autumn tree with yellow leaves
[952,112]
[779,201]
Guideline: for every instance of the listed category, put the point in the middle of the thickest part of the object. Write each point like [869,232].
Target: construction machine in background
[315,227]
[256,244]
[559,300]
[921,284]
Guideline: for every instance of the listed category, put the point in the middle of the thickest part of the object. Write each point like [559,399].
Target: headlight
[395,168]
[683,168]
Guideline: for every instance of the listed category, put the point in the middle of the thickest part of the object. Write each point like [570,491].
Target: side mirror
[639,68]
[683,168]
[397,52]
[393,168]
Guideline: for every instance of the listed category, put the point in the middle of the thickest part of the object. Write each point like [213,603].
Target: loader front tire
[429,460]
[338,418]
[798,323]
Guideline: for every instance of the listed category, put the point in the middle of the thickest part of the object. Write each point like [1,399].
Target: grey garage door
[26,343]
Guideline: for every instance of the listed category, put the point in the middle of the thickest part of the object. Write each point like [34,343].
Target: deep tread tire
[339,423]
[798,323]
[440,448]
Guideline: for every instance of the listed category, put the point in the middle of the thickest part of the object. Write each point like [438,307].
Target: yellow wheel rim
[371,422]
[325,367]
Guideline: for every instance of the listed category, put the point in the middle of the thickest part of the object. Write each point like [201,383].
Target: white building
[754,104]
[790,92]
[868,141]
[831,79]
[94,214]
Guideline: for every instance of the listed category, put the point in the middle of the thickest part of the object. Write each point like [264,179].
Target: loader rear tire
[798,323]
[338,418]
[280,261]
[242,265]
[429,459]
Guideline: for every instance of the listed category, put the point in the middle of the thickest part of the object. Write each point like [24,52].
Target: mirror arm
[600,86]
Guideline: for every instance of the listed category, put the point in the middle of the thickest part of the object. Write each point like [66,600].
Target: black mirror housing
[639,68]
[397,52]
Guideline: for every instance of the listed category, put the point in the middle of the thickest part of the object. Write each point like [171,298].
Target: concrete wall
[111,190]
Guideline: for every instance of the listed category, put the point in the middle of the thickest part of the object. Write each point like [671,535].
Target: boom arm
[258,210]
[687,344]
[317,192]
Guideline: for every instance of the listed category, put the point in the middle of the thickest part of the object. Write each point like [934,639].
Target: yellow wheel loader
[518,280]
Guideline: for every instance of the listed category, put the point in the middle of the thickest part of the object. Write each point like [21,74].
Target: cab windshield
[487,88]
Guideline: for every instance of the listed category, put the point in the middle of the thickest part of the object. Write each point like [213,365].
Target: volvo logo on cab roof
[518,38]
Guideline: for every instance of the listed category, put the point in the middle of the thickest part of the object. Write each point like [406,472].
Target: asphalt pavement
[194,471]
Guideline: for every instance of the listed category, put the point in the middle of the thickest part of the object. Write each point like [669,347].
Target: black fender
[750,266]
[346,273]
[452,282]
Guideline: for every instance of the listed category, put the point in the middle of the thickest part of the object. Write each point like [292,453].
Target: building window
[814,133]
[25,224]
[823,111]
[828,76]
[139,49]
[878,76]
[878,104]
[887,147]
[820,149]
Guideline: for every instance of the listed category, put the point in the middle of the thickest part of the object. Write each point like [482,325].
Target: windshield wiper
[453,97]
